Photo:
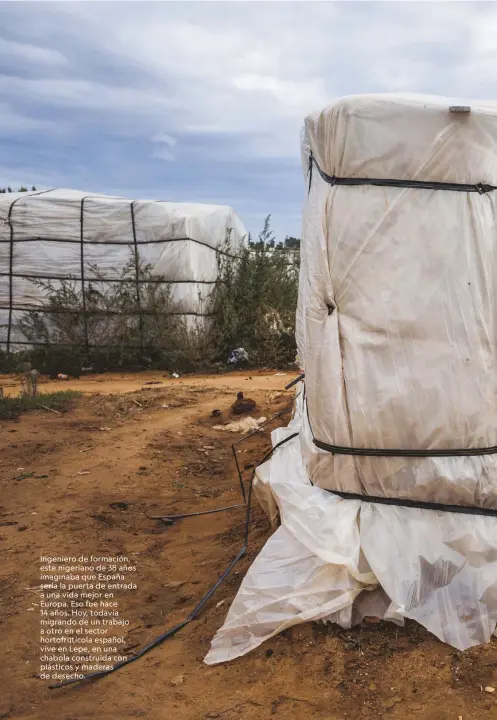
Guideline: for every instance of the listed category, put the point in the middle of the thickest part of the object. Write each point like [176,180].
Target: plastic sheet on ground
[241,426]
[340,560]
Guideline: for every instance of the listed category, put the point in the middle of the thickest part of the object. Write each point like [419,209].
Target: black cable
[239,471]
[254,432]
[197,609]
[195,514]
[294,382]
[91,345]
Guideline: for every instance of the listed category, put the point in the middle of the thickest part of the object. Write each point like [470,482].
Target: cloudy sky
[204,101]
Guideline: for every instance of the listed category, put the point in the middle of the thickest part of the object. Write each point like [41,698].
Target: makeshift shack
[387,485]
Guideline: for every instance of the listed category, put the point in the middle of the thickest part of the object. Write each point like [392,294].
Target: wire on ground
[247,497]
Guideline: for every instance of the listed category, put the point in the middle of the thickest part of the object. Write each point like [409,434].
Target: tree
[254,303]
[292,243]
[21,189]
[266,240]
[266,237]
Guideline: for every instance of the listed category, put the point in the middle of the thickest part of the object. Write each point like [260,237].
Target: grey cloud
[229,82]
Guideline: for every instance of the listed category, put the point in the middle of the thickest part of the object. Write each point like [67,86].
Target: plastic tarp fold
[338,561]
[396,332]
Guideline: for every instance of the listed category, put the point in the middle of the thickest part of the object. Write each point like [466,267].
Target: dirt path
[153,448]
[113,383]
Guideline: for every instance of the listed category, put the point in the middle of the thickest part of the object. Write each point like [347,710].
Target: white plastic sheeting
[50,232]
[408,358]
[396,331]
[337,560]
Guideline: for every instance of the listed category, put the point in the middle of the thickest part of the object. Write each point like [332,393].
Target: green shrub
[122,328]
[253,306]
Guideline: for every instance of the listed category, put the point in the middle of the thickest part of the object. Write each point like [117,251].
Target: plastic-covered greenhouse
[385,480]
[89,256]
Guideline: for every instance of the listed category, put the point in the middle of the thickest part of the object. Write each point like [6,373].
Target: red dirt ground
[169,459]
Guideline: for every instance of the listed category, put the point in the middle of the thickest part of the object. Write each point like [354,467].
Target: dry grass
[12,407]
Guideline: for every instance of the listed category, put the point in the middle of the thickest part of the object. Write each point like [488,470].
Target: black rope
[100,279]
[137,274]
[82,257]
[33,343]
[404,502]
[11,261]
[124,244]
[11,271]
[200,605]
[394,452]
[480,188]
[397,452]
[77,311]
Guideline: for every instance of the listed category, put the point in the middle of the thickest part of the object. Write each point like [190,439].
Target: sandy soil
[114,383]
[157,459]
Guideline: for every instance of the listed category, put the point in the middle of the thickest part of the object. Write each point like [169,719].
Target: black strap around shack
[480,188]
[408,453]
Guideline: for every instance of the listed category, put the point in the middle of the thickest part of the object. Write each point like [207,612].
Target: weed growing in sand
[12,407]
